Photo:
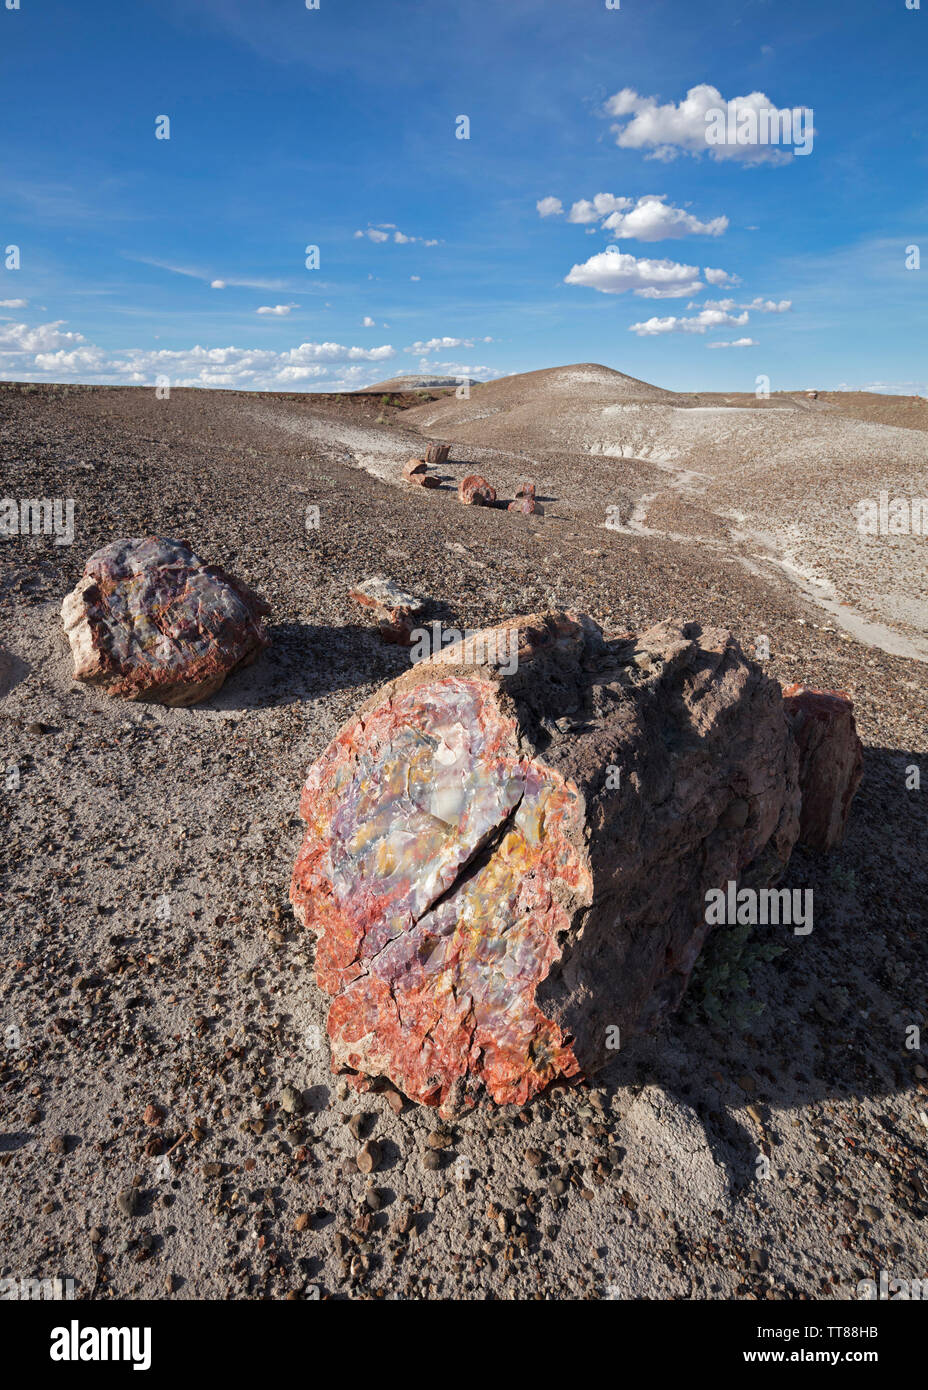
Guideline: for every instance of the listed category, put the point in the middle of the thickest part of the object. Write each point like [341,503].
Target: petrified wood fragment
[438,453]
[830,761]
[503,866]
[475,491]
[149,620]
[395,609]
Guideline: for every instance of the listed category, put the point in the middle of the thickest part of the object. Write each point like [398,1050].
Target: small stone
[439,1139]
[368,1156]
[432,1160]
[357,1124]
[302,1221]
[291,1101]
[534,1158]
[212,1170]
[871,1213]
[127,1201]
[59,1144]
[96,1235]
[373,1199]
[153,1115]
[557,1187]
[394,1100]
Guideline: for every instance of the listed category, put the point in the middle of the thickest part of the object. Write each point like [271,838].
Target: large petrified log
[150,621]
[508,850]
[830,761]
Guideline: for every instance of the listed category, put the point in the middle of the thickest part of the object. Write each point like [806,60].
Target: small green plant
[718,990]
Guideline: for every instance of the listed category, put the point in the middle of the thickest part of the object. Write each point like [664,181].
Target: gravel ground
[157,997]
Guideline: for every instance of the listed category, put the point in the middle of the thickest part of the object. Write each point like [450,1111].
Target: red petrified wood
[508,849]
[830,761]
[149,620]
[475,491]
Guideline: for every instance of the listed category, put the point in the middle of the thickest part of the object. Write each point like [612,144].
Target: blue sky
[292,127]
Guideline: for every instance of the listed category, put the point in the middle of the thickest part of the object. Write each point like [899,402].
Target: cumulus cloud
[280,310]
[770,306]
[760,306]
[595,209]
[753,130]
[737,343]
[549,207]
[698,323]
[651,218]
[654,219]
[37,354]
[368,322]
[18,337]
[13,303]
[436,344]
[384,231]
[720,277]
[458,369]
[614,272]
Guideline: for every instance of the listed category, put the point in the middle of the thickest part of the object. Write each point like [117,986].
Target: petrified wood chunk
[506,860]
[830,761]
[438,453]
[395,609]
[149,620]
[475,491]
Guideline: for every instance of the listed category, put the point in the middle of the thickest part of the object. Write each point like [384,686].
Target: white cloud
[458,369]
[593,210]
[760,306]
[738,343]
[280,310]
[654,219]
[368,322]
[699,323]
[18,337]
[437,344]
[651,218]
[415,277]
[45,353]
[770,306]
[217,284]
[756,130]
[613,272]
[549,207]
[381,233]
[720,277]
[13,303]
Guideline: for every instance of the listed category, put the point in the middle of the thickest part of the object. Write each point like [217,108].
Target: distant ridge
[417,381]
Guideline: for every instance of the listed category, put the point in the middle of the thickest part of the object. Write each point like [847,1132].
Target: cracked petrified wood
[506,859]
[149,620]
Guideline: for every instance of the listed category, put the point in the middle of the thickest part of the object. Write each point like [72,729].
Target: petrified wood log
[150,621]
[506,860]
[830,761]
[438,453]
[475,491]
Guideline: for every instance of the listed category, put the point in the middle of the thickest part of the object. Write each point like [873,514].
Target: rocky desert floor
[170,1126]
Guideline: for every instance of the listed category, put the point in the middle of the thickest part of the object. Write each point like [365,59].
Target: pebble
[534,1158]
[127,1202]
[432,1160]
[368,1156]
[291,1100]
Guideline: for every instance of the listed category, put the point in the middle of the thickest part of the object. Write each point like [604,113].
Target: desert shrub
[718,990]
